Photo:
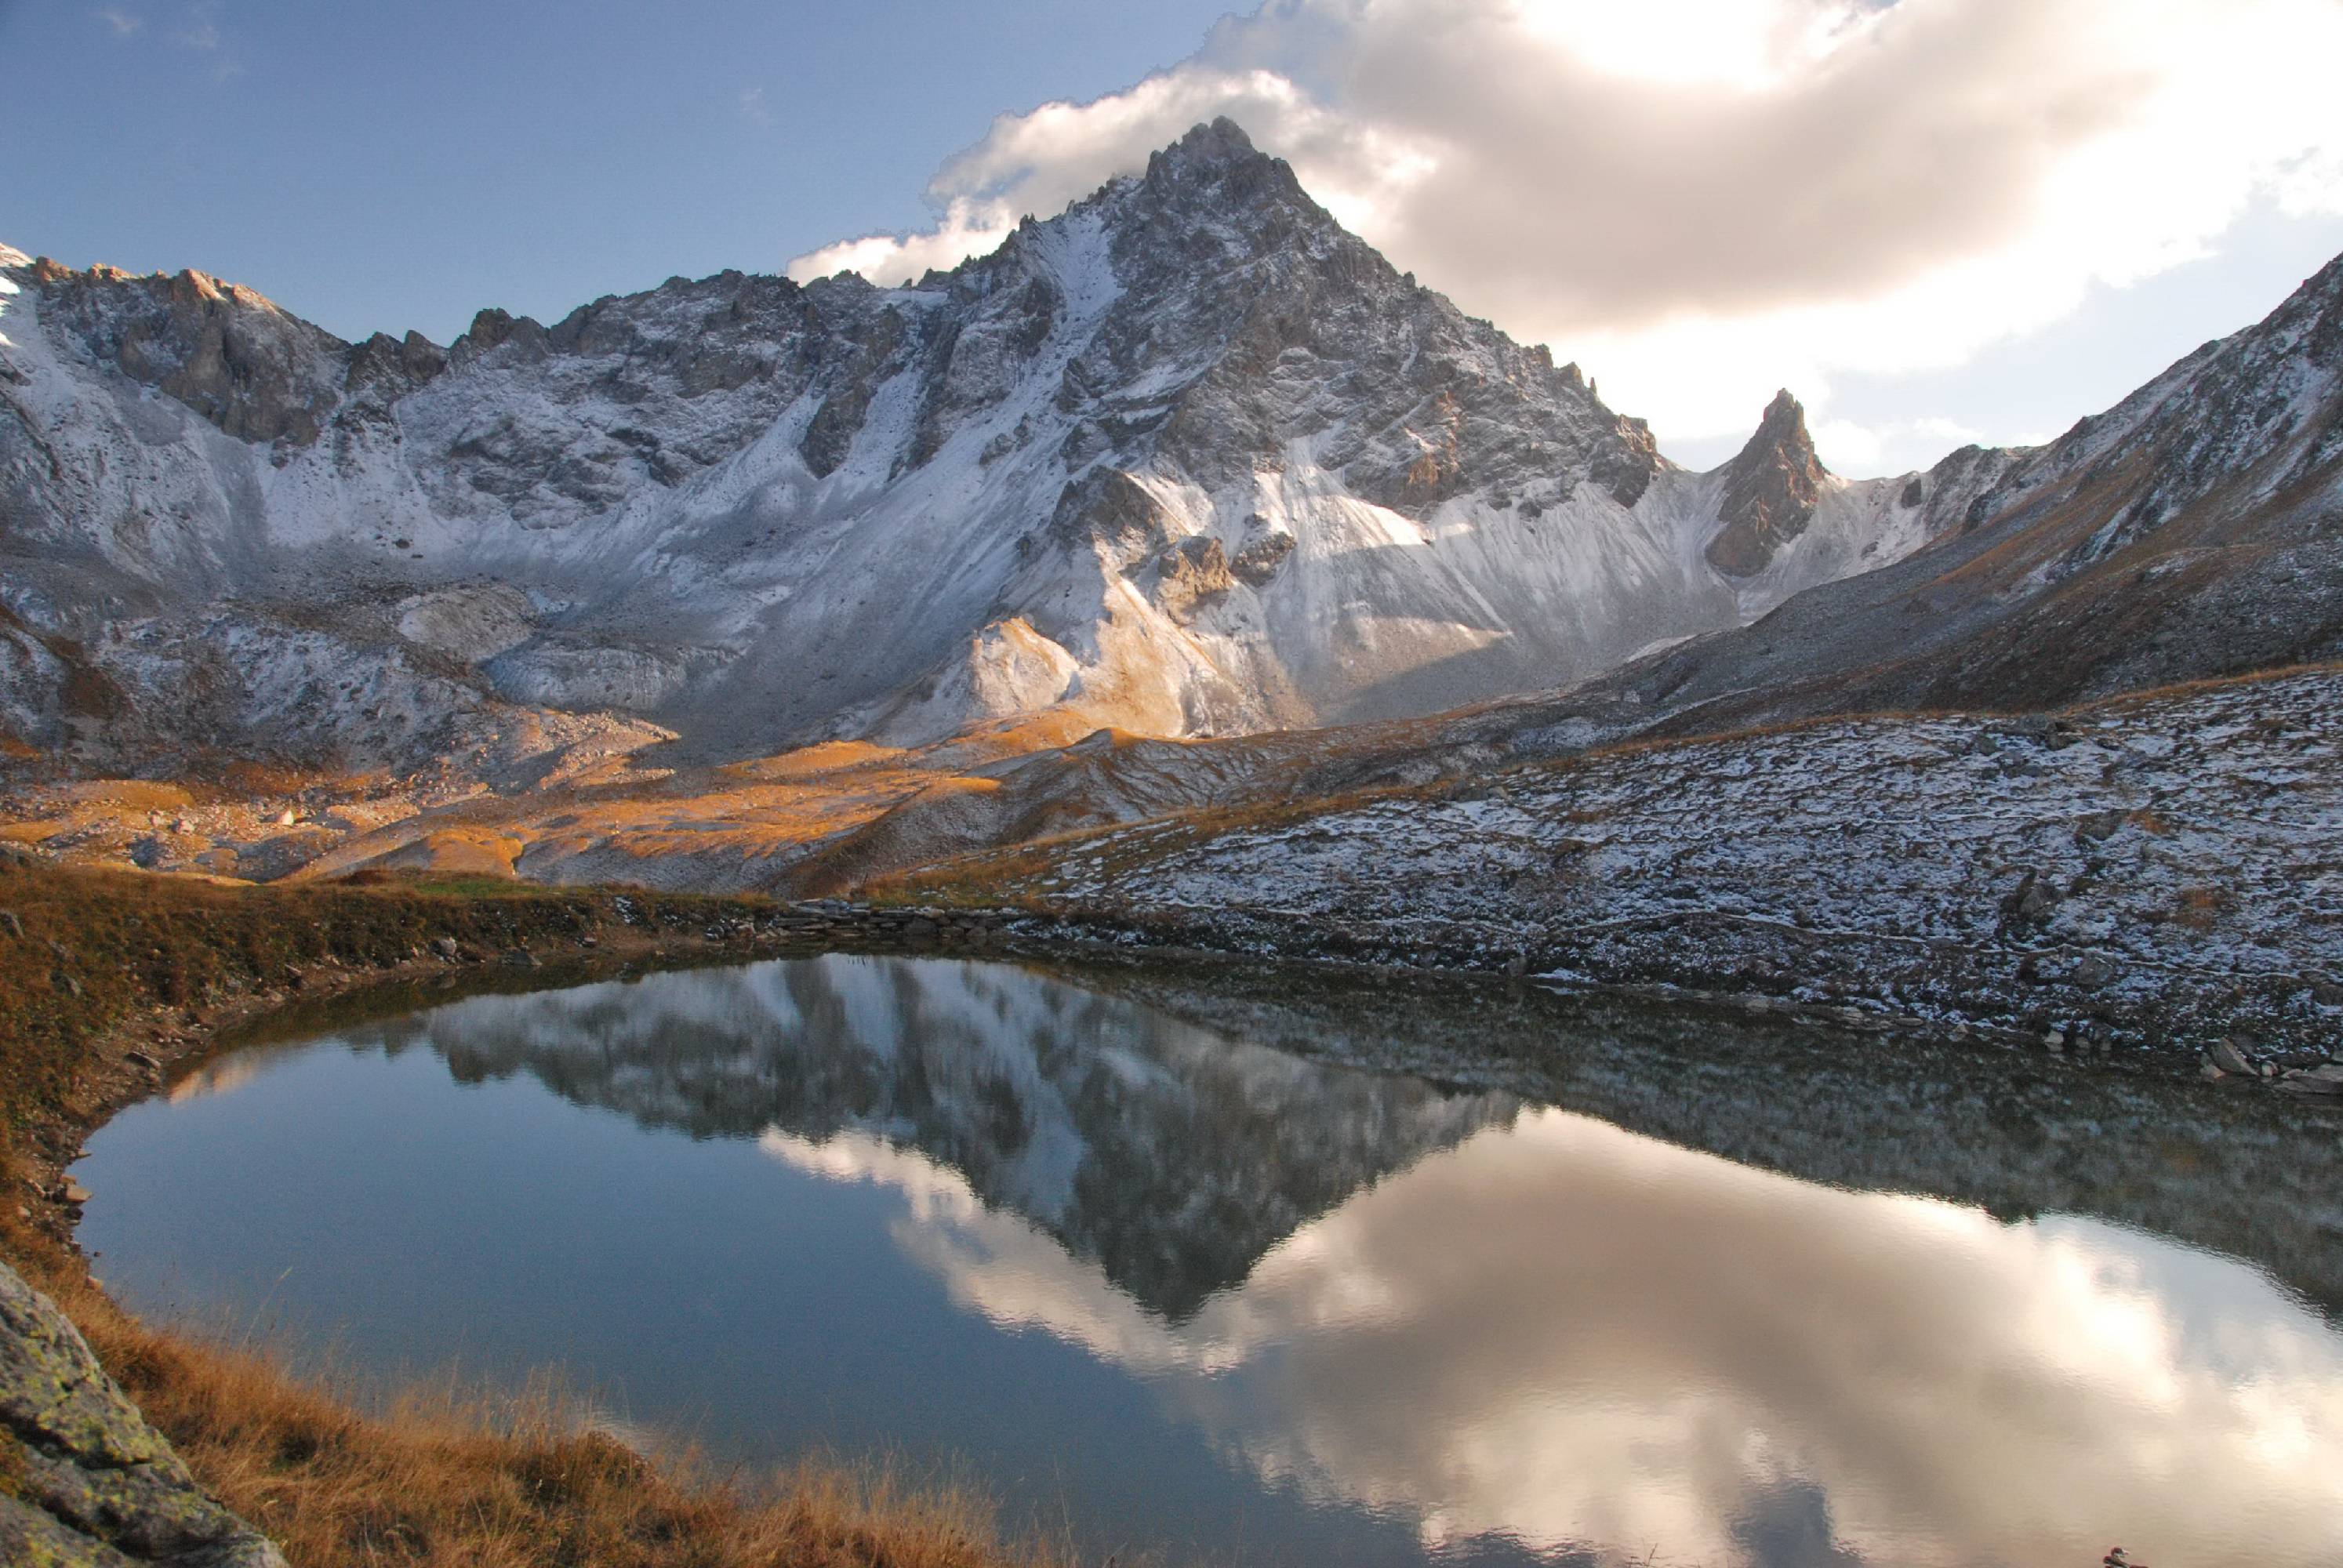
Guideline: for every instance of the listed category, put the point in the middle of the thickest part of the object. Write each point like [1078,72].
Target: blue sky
[402,165]
[1935,220]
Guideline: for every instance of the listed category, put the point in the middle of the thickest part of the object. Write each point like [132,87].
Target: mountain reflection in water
[1169,1155]
[1502,1322]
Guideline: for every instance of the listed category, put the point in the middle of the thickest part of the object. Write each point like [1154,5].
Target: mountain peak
[1771,490]
[1783,427]
[1218,157]
[1220,140]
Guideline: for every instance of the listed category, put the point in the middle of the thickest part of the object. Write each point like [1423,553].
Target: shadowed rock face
[231,356]
[97,1486]
[1769,491]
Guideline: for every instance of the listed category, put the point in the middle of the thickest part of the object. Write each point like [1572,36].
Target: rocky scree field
[2162,867]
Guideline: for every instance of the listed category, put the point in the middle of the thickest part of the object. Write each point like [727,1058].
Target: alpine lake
[1221,1265]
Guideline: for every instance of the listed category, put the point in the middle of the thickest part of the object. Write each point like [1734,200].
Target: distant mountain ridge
[1186,459]
[2195,531]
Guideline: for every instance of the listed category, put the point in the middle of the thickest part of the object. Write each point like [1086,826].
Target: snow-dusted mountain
[1187,458]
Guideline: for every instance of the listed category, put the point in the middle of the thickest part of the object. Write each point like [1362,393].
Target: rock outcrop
[85,1483]
[1771,490]
[233,357]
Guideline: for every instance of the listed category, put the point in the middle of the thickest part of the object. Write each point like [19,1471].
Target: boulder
[2324,1078]
[2031,901]
[92,1484]
[2093,971]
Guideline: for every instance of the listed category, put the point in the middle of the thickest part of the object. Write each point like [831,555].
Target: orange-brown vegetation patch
[743,824]
[2199,909]
[458,852]
[128,794]
[811,761]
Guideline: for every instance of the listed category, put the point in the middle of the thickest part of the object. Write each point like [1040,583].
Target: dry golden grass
[440,1480]
[82,951]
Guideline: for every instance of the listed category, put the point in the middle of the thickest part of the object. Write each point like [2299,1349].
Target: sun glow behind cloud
[1700,200]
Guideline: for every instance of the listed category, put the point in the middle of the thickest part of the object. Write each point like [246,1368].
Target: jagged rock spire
[1771,490]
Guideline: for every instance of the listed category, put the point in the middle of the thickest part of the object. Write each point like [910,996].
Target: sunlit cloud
[1701,200]
[1863,448]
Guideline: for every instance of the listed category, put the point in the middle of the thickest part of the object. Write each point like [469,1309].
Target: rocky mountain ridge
[1188,458]
[2195,531]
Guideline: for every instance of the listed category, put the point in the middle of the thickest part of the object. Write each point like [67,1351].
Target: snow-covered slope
[1187,458]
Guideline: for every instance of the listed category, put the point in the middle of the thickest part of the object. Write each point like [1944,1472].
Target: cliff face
[1188,458]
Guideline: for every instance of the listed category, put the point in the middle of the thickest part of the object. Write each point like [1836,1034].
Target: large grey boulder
[84,1479]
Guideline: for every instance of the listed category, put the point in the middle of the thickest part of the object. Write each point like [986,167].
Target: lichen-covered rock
[84,1479]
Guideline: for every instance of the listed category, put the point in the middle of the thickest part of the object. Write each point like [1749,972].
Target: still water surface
[1215,1301]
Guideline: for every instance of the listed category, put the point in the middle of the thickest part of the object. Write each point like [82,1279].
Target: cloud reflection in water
[1576,1336]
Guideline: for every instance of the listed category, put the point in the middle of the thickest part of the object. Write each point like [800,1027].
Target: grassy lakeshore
[107,978]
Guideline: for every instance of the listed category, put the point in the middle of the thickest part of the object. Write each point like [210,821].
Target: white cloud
[121,23]
[753,108]
[202,34]
[202,31]
[1891,447]
[1701,200]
